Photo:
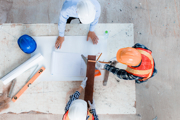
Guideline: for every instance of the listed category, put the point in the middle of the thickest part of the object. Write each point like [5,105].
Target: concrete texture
[5,7]
[156,25]
[33,116]
[46,94]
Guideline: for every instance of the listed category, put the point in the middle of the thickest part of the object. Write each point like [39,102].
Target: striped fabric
[122,74]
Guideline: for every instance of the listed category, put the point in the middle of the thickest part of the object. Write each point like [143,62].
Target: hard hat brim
[86,11]
[119,57]
[86,20]
[78,109]
[119,54]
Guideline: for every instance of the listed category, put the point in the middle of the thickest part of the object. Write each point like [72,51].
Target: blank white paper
[67,65]
[72,45]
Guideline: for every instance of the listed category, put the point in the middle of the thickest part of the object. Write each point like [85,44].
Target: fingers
[56,44]
[93,37]
[60,45]
[59,42]
[93,102]
[85,79]
[87,38]
[95,40]
[89,103]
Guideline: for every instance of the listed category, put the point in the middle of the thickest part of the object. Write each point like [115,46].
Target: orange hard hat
[129,56]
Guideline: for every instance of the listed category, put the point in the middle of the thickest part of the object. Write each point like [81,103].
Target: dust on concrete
[30,112]
[67,30]
[4,100]
[5,7]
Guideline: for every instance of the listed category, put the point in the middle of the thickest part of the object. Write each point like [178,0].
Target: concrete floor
[156,25]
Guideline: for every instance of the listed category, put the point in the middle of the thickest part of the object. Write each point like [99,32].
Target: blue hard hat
[27,44]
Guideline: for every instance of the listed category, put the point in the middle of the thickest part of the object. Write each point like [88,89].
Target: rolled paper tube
[22,68]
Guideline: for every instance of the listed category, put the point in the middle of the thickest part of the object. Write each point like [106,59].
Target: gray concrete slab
[59,117]
[156,25]
[44,96]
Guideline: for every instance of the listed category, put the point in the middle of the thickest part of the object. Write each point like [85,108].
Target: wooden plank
[90,82]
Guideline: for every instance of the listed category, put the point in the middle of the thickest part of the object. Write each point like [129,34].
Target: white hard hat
[86,11]
[78,110]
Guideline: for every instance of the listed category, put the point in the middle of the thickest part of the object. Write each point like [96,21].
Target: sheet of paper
[68,65]
[72,44]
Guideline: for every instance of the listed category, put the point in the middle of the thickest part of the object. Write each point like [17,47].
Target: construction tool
[40,71]
[11,88]
[99,57]
[5,97]
[107,73]
[99,61]
[22,68]
[97,72]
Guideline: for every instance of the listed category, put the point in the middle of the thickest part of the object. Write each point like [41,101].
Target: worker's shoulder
[69,5]
[138,45]
[96,3]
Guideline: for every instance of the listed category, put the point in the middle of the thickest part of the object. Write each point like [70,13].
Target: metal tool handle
[106,78]
[12,88]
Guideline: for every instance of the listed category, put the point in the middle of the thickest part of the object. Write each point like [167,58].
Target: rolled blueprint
[22,68]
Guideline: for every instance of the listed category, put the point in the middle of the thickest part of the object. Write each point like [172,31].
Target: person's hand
[113,61]
[59,42]
[91,106]
[93,37]
[83,83]
[99,66]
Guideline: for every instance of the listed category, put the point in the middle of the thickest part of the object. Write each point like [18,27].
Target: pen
[58,46]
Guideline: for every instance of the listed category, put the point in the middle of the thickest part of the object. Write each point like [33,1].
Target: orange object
[91,117]
[129,56]
[40,71]
[146,68]
[66,117]
[92,61]
[99,57]
[97,73]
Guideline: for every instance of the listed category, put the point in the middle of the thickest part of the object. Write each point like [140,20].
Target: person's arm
[92,110]
[91,33]
[73,97]
[76,95]
[138,45]
[63,19]
[122,74]
[98,13]
[62,24]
